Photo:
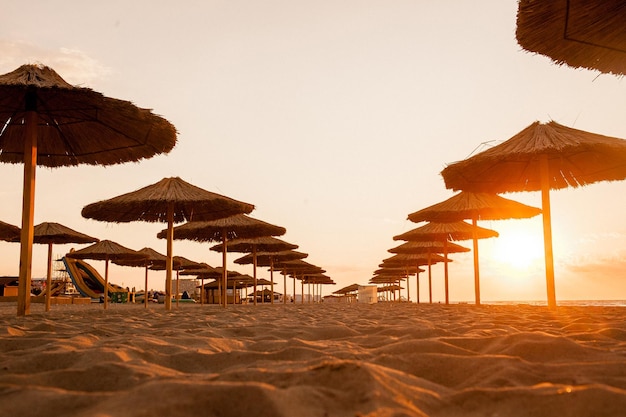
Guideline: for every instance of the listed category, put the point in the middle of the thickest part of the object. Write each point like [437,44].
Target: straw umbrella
[48,122]
[170,201]
[222,230]
[268,259]
[410,260]
[8,232]
[179,263]
[50,233]
[444,232]
[297,268]
[474,206]
[253,245]
[540,158]
[106,250]
[588,34]
[153,259]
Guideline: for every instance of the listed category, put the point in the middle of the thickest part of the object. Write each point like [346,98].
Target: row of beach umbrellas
[47,121]
[542,157]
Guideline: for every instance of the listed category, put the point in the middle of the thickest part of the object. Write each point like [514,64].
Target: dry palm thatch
[75,125]
[9,232]
[253,246]
[151,204]
[237,226]
[437,246]
[346,290]
[269,258]
[445,231]
[580,33]
[574,158]
[474,206]
[542,157]
[49,122]
[170,201]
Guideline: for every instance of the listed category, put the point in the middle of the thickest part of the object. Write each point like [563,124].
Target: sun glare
[519,249]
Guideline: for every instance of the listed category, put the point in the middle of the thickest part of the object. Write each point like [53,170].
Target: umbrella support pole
[476,269]
[547,231]
[445,268]
[224,273]
[430,280]
[49,278]
[254,262]
[145,290]
[106,283]
[28,214]
[169,261]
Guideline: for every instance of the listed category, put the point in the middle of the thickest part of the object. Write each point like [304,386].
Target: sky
[335,120]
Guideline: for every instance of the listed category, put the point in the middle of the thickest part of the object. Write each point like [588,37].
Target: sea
[580,303]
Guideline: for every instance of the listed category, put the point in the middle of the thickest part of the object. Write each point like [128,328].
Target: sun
[518,247]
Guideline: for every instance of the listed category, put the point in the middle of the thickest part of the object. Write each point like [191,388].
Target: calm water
[603,303]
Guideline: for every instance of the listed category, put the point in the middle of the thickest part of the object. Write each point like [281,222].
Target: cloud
[73,65]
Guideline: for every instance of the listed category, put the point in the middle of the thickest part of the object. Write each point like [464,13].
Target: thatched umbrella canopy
[474,206]
[8,232]
[223,230]
[154,260]
[170,201]
[46,121]
[254,245]
[346,290]
[588,34]
[106,250]
[444,232]
[541,157]
[296,269]
[268,258]
[407,261]
[48,233]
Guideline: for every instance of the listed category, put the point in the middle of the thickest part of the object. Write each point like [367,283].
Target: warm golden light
[518,248]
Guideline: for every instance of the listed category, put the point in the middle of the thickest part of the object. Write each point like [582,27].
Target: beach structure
[474,206]
[254,245]
[444,232]
[410,260]
[107,250]
[47,121]
[541,157]
[582,34]
[222,230]
[170,201]
[269,259]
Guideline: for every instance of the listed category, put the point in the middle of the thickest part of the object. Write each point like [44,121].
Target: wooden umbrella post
[445,268]
[254,263]
[430,280]
[169,262]
[49,278]
[476,273]
[284,287]
[272,279]
[547,230]
[106,282]
[224,273]
[417,283]
[28,211]
[145,291]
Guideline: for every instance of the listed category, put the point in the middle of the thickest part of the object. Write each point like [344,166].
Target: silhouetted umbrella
[50,233]
[268,258]
[223,230]
[253,245]
[444,232]
[297,268]
[474,206]
[9,232]
[415,260]
[46,121]
[541,157]
[170,201]
[588,34]
[153,259]
[106,250]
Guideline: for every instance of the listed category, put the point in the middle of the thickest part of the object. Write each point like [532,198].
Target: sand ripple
[314,360]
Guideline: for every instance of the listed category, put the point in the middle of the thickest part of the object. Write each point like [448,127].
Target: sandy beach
[313,360]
